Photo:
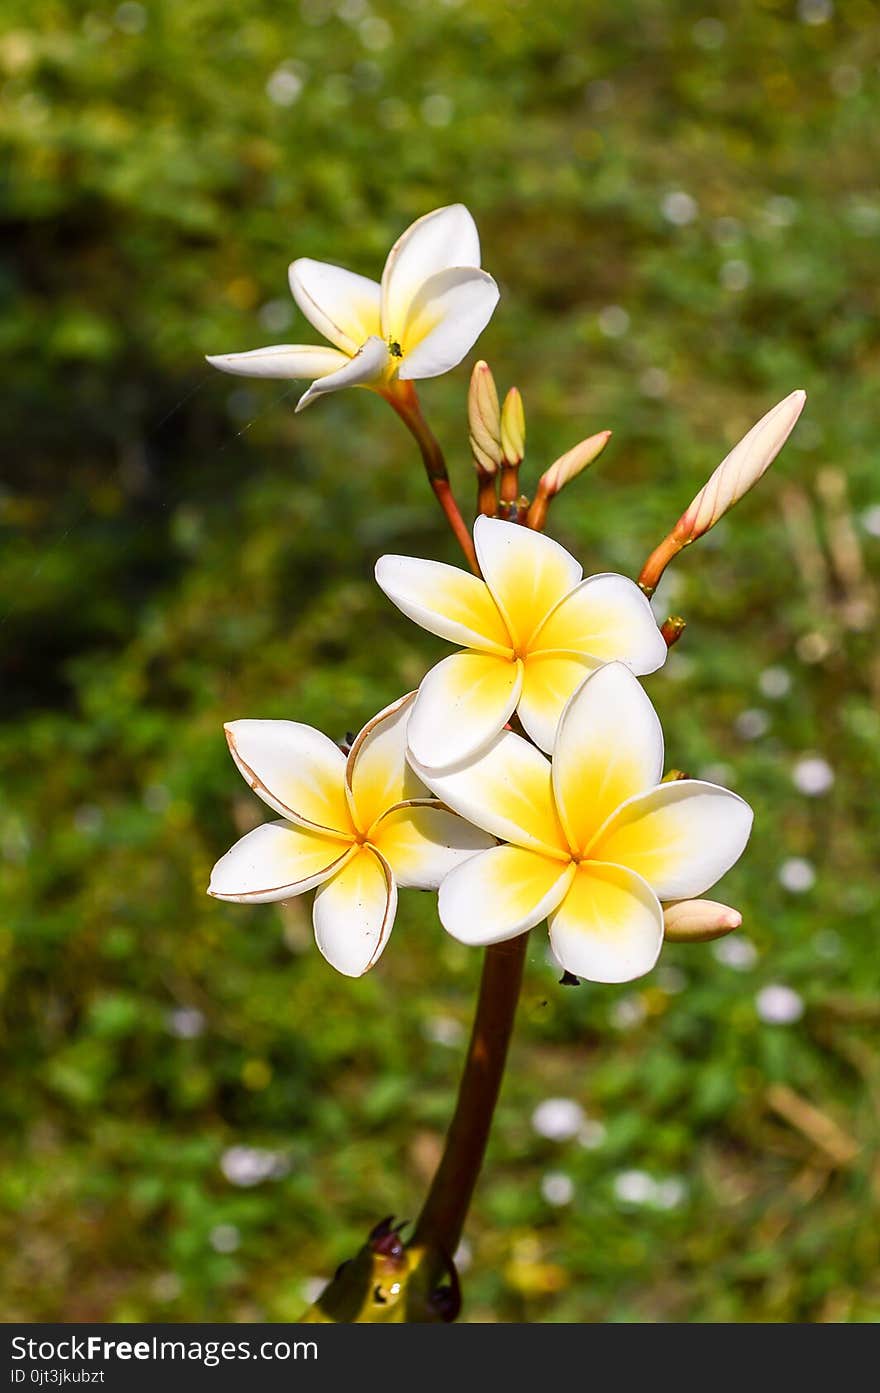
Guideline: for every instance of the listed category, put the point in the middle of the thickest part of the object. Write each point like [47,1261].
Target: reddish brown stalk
[649,576]
[509,491]
[487,495]
[441,1221]
[672,629]
[403,397]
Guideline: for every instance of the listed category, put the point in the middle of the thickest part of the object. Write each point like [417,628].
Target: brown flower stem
[404,399]
[672,629]
[649,576]
[487,494]
[509,491]
[440,1224]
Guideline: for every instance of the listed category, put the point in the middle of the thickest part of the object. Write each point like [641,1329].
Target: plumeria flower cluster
[431,306]
[354,828]
[450,788]
[591,839]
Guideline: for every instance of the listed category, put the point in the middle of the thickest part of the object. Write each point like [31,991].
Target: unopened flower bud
[741,469]
[569,465]
[698,921]
[562,471]
[672,629]
[513,428]
[736,474]
[484,419]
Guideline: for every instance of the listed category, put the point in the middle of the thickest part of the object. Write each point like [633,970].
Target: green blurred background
[680,201]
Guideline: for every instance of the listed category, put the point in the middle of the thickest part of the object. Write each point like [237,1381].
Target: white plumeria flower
[532,631]
[356,828]
[595,843]
[431,307]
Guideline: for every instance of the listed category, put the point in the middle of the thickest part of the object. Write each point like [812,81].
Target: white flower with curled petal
[594,842]
[531,631]
[355,828]
[430,308]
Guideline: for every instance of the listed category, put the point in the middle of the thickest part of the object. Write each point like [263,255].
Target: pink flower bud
[698,921]
[569,465]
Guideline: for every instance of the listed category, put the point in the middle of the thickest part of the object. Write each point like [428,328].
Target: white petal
[447,237]
[286,360]
[549,679]
[462,703]
[445,320]
[423,842]
[342,306]
[527,573]
[377,772]
[609,926]
[609,746]
[295,769]
[681,837]
[501,893]
[507,791]
[276,862]
[446,601]
[354,913]
[609,617]
[366,368]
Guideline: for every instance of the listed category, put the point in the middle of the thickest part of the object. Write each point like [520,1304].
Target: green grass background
[179,549]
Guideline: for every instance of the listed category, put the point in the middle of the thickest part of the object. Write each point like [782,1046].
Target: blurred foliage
[680,201]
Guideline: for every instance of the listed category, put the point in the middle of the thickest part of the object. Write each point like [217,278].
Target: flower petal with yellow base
[433,303]
[355,829]
[595,843]
[535,615]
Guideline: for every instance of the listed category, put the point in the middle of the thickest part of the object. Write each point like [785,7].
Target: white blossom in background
[628,1013]
[752,724]
[186,1022]
[443,1030]
[558,1119]
[737,952]
[251,1165]
[635,1187]
[592,1135]
[813,776]
[613,321]
[431,306]
[777,1004]
[596,868]
[797,875]
[775,683]
[870,520]
[531,632]
[225,1238]
[679,208]
[354,828]
[557,1188]
[670,1193]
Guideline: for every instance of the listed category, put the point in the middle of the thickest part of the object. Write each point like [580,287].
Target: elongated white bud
[569,465]
[561,472]
[698,921]
[736,474]
[741,469]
